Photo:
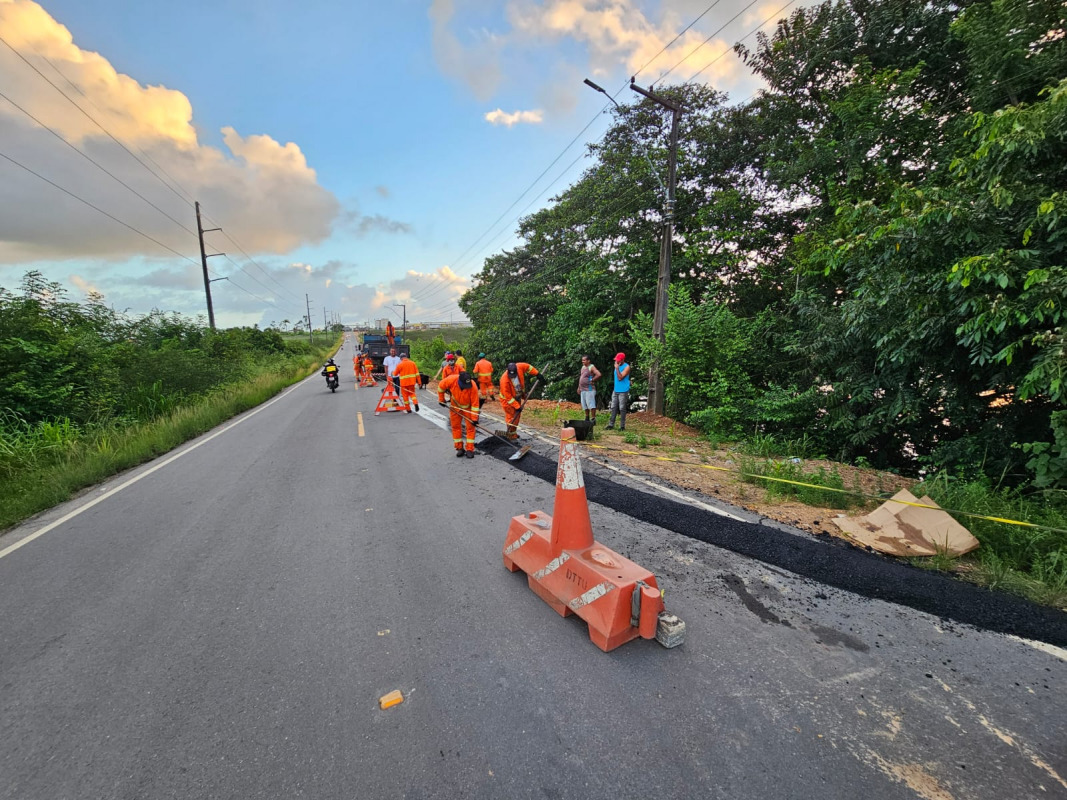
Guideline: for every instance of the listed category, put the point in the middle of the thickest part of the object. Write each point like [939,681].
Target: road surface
[223,626]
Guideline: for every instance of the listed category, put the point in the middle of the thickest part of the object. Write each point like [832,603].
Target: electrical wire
[97,208]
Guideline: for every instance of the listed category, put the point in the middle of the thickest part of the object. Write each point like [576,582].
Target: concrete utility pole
[311,336]
[325,324]
[405,318]
[203,263]
[659,319]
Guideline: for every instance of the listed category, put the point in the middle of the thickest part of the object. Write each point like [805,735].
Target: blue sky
[352,152]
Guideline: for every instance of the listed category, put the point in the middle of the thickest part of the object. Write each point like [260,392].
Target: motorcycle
[332,381]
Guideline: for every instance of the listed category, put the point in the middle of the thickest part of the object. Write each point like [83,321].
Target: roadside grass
[46,464]
[1027,561]
[754,472]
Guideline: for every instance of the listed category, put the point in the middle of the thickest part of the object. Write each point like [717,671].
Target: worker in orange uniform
[390,333]
[408,373]
[368,366]
[483,373]
[513,393]
[450,367]
[463,409]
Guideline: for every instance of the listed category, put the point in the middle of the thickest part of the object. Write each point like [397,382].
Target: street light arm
[637,138]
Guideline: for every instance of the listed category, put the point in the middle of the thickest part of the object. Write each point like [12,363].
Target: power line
[96,208]
[711,36]
[124,147]
[676,38]
[87,114]
[97,164]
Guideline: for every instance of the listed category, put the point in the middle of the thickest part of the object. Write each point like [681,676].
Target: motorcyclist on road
[330,369]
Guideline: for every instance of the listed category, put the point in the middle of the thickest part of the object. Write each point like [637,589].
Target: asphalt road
[224,625]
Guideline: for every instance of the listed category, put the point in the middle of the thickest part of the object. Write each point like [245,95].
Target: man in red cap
[620,397]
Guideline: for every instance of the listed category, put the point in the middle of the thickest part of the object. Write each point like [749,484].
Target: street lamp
[659,318]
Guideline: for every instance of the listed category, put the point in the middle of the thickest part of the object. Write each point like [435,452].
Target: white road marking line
[71,515]
[435,418]
[684,498]
[1044,647]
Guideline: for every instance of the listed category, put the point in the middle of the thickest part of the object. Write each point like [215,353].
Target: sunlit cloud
[501,117]
[262,191]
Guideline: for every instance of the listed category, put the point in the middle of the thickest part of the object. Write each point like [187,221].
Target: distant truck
[377,347]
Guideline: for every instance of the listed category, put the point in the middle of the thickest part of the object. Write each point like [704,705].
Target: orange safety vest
[483,369]
[507,388]
[449,370]
[462,399]
[408,372]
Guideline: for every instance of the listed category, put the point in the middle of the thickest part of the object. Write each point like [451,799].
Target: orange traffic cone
[575,574]
[390,401]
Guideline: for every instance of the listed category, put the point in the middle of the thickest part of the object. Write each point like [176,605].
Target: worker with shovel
[463,409]
[513,394]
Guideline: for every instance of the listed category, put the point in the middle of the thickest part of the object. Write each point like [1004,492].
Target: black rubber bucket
[582,428]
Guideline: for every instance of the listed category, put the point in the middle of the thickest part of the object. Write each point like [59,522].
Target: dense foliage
[88,364]
[870,251]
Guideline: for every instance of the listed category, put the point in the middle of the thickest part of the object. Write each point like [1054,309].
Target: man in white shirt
[391,362]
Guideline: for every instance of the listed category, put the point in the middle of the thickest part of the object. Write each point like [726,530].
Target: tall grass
[774,476]
[45,464]
[1028,561]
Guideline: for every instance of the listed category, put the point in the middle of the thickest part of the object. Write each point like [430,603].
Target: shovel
[520,450]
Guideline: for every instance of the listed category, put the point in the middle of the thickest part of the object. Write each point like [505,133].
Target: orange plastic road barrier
[389,401]
[575,574]
[368,378]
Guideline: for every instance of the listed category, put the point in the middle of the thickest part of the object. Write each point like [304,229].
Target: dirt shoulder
[693,463]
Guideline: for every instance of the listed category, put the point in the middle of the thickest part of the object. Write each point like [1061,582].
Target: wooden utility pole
[659,318]
[311,336]
[203,263]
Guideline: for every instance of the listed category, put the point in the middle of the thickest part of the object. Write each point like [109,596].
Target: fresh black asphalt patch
[828,561]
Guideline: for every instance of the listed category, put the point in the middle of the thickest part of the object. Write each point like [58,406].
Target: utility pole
[405,318]
[311,336]
[325,324]
[659,319]
[203,263]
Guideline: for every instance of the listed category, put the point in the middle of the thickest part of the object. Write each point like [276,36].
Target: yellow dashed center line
[359,422]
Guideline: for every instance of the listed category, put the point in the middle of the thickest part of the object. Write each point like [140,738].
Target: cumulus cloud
[262,191]
[612,37]
[501,117]
[618,31]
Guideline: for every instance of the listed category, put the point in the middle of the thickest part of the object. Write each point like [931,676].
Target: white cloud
[262,191]
[501,117]
[618,32]
[613,37]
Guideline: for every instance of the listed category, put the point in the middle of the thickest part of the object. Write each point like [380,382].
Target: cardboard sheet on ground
[903,530]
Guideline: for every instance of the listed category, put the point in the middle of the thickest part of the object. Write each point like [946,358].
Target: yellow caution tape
[971,514]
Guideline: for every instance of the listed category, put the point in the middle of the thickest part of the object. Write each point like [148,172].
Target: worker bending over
[483,373]
[463,409]
[513,393]
[408,373]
